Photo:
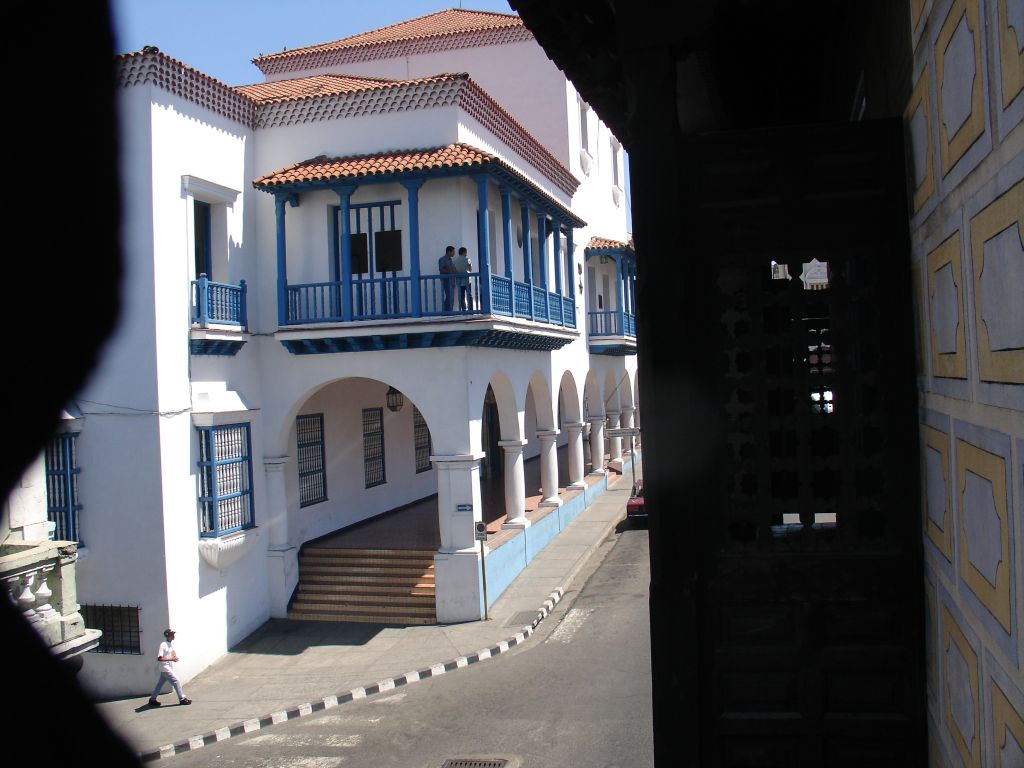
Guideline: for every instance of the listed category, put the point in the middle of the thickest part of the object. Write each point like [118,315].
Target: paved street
[576,693]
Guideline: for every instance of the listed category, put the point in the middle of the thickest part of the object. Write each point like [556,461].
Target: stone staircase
[370,586]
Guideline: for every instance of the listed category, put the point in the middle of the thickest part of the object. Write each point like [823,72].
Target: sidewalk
[288,669]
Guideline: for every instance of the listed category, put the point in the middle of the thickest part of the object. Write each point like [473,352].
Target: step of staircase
[380,586]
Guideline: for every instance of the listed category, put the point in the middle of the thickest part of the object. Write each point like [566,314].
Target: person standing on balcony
[463,266]
[167,657]
[446,266]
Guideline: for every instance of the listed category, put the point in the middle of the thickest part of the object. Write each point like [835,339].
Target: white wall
[519,76]
[349,501]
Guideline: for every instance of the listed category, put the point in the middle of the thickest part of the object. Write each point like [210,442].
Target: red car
[635,505]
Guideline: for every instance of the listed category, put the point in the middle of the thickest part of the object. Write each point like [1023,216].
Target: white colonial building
[290,362]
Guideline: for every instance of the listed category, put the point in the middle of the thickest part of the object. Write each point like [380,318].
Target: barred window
[225,479]
[120,627]
[373,446]
[62,506]
[309,438]
[421,437]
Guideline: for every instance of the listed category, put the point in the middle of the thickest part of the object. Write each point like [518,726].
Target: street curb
[329,702]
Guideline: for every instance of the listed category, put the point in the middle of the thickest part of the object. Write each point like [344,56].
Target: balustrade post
[556,245]
[571,277]
[203,300]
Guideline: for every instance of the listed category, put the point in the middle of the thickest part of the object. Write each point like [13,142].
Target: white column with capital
[457,577]
[575,454]
[282,556]
[627,422]
[615,443]
[597,445]
[515,484]
[549,468]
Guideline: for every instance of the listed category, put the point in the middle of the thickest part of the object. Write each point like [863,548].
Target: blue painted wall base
[506,562]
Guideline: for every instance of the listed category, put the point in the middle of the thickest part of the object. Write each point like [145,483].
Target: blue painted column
[527,254]
[345,196]
[571,277]
[618,294]
[506,241]
[556,245]
[282,261]
[542,261]
[413,190]
[483,227]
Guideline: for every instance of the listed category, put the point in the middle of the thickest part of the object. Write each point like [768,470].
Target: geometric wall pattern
[984,528]
[938,490]
[961,694]
[997,250]
[1010,25]
[1007,731]
[918,119]
[958,69]
[965,170]
[946,310]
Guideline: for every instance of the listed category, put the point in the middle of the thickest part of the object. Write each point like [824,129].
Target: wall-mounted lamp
[395,400]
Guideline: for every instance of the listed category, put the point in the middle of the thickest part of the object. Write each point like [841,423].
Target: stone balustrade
[39,578]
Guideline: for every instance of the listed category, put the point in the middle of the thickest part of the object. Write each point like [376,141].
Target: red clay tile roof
[603,243]
[150,66]
[332,97]
[324,169]
[444,30]
[339,168]
[304,87]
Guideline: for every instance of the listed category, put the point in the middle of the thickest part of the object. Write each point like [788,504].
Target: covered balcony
[393,215]
[611,300]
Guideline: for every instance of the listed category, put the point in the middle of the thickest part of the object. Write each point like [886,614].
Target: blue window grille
[225,479]
[421,438]
[62,506]
[309,438]
[373,447]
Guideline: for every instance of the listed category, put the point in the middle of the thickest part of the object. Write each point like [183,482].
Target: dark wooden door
[787,549]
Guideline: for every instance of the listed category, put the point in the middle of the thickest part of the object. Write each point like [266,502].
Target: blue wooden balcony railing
[218,303]
[607,324]
[384,298]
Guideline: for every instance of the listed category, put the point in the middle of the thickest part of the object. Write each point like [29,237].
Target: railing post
[243,309]
[203,300]
[483,228]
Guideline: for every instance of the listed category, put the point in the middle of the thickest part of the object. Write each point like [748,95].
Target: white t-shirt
[166,650]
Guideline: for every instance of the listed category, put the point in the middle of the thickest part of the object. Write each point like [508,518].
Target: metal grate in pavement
[475,762]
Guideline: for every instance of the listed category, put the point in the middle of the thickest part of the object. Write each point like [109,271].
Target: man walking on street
[167,657]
